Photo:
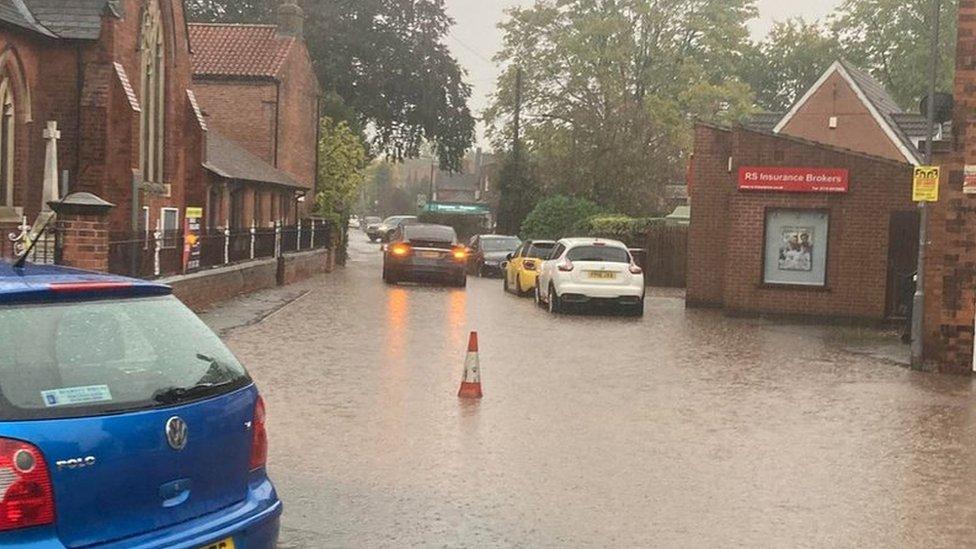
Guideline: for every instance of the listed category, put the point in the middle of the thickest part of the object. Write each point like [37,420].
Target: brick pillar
[950,305]
[83,231]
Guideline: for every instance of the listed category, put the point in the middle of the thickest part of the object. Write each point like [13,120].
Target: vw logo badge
[176,433]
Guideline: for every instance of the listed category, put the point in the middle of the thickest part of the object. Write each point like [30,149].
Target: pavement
[682,429]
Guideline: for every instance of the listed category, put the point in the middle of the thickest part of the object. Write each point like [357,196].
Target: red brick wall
[856,129]
[951,262]
[727,228]
[84,242]
[299,117]
[243,111]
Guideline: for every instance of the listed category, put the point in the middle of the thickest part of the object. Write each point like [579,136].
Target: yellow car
[522,267]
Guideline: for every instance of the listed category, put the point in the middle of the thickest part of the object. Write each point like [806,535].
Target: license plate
[603,275]
[222,544]
[430,255]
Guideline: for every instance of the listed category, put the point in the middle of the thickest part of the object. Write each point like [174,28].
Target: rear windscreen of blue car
[74,359]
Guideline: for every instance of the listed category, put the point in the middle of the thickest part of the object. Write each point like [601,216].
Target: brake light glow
[259,436]
[26,494]
[634,269]
[400,250]
[82,287]
[529,265]
[460,253]
[566,266]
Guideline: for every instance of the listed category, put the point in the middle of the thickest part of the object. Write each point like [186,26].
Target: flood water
[682,429]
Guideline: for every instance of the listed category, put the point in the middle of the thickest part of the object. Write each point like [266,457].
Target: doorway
[902,263]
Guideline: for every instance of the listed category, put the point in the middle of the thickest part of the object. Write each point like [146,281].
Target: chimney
[291,19]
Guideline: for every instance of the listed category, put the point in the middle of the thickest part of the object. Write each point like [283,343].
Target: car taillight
[400,250]
[529,265]
[460,253]
[259,436]
[25,487]
[634,269]
[566,266]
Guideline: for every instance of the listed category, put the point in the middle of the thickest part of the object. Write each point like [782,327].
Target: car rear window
[99,357]
[499,244]
[609,254]
[540,251]
[429,233]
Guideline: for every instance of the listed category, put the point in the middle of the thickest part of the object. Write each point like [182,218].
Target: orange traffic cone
[471,382]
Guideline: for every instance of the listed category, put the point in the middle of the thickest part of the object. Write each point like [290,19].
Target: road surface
[682,429]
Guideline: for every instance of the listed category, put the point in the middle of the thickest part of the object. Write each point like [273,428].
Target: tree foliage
[342,165]
[611,88]
[890,38]
[788,61]
[557,217]
[388,61]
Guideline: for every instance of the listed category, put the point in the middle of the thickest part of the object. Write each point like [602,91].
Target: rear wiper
[204,387]
[173,395]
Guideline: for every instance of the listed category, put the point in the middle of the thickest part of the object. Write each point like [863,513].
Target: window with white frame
[7,127]
[170,224]
[153,94]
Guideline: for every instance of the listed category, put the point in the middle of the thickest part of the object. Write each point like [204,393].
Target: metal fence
[45,249]
[158,254]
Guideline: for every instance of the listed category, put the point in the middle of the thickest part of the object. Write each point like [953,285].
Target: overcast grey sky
[475,38]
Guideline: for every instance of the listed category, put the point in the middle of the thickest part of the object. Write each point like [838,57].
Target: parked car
[124,421]
[591,271]
[384,231]
[521,269]
[488,252]
[369,221]
[354,222]
[425,252]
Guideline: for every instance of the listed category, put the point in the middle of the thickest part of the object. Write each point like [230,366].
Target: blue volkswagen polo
[124,421]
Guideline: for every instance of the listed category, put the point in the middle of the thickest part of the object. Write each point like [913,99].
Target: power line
[470,49]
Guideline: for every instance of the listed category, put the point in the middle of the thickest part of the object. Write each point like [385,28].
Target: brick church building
[118,79]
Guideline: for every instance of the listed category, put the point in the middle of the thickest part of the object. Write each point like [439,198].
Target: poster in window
[796,247]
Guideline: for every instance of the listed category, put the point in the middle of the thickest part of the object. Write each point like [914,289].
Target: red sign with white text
[794,180]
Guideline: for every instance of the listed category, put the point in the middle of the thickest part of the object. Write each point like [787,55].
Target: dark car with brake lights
[422,252]
[488,253]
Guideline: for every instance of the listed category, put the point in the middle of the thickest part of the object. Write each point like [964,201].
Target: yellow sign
[194,213]
[925,184]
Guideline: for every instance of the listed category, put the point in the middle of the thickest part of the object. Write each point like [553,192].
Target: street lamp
[918,301]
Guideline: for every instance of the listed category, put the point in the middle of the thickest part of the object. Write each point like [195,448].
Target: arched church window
[7,126]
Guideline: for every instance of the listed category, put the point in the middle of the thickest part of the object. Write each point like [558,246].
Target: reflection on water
[684,429]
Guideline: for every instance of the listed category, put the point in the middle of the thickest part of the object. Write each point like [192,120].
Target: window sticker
[76,395]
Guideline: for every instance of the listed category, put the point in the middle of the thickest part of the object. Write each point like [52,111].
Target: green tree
[388,60]
[890,38]
[558,217]
[342,166]
[788,61]
[518,192]
[611,88]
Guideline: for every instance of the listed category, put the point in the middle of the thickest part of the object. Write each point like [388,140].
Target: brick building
[764,242]
[258,90]
[951,258]
[848,108]
[115,76]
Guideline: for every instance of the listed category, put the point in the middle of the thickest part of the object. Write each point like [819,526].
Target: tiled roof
[882,101]
[763,121]
[74,19]
[228,159]
[243,51]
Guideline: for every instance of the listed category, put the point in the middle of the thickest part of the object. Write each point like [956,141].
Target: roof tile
[249,51]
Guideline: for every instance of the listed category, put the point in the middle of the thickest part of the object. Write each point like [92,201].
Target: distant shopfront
[785,226]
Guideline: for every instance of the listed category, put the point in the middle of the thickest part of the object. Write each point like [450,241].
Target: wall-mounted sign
[925,184]
[794,180]
[969,180]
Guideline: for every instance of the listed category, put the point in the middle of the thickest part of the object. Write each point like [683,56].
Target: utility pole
[508,202]
[918,302]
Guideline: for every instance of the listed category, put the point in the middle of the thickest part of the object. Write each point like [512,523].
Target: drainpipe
[277,120]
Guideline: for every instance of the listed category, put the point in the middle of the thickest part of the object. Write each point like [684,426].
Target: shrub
[629,230]
[557,217]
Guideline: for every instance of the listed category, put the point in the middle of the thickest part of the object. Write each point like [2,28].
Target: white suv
[590,270]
